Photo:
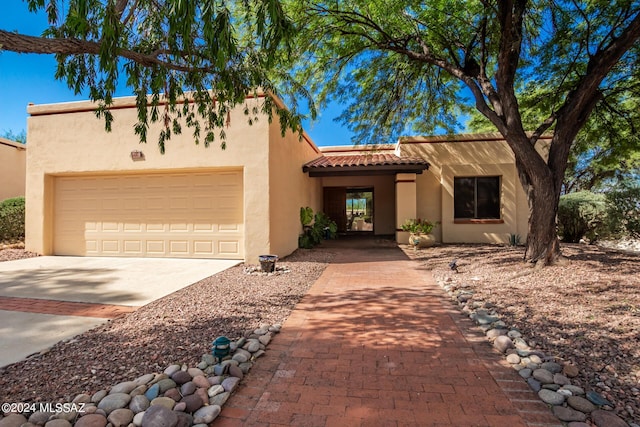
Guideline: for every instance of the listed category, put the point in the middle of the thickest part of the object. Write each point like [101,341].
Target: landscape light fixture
[221,348]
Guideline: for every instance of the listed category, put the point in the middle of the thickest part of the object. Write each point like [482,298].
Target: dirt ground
[586,312]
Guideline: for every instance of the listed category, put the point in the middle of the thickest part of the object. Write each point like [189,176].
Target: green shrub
[323,227]
[306,216]
[12,219]
[623,209]
[582,214]
[418,226]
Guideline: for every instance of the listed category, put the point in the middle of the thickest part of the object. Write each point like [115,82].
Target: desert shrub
[418,226]
[12,219]
[582,214]
[514,240]
[623,211]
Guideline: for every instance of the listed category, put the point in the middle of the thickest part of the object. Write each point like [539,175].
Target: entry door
[335,206]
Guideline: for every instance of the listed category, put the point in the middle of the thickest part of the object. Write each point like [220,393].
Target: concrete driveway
[40,298]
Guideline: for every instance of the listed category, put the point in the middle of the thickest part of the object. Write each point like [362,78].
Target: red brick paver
[64,308]
[375,342]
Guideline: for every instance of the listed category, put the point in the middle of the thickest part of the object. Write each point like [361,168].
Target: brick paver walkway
[64,308]
[375,342]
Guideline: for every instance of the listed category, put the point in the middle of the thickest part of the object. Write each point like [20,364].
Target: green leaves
[401,66]
[12,219]
[582,214]
[188,62]
[391,62]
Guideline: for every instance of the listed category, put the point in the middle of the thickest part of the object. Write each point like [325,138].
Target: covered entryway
[360,210]
[351,208]
[378,181]
[177,215]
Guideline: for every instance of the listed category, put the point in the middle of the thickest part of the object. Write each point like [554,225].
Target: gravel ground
[586,312]
[178,328]
[12,253]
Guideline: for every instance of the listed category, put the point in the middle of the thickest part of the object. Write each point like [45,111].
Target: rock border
[180,396]
[256,270]
[548,377]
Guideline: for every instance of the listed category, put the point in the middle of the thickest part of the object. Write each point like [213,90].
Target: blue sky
[29,78]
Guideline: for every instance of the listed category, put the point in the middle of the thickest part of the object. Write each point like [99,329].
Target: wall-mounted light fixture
[137,155]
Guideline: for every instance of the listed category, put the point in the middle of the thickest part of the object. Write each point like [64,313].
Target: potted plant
[313,234]
[419,232]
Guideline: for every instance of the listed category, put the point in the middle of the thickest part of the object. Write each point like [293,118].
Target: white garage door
[175,215]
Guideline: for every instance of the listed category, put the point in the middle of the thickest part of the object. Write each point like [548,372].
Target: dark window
[476,197]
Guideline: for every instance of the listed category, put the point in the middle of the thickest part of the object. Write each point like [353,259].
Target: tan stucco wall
[76,143]
[13,167]
[406,203]
[289,188]
[384,216]
[467,158]
[429,192]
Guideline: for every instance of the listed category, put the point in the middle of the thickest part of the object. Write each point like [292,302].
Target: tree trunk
[542,184]
[543,193]
[542,247]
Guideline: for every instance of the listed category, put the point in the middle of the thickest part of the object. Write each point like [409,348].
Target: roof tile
[363,160]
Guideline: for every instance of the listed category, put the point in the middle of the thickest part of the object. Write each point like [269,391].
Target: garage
[173,215]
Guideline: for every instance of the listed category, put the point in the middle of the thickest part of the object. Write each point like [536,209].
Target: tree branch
[22,43]
[581,101]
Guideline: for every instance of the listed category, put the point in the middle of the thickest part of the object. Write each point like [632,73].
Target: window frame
[476,219]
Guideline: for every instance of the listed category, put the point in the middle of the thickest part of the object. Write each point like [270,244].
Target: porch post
[406,206]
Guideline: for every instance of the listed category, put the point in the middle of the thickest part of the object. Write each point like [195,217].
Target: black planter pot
[268,263]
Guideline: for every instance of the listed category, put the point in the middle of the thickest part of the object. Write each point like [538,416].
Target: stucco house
[92,193]
[13,167]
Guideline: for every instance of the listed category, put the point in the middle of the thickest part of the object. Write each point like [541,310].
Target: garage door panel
[110,227]
[155,226]
[203,203]
[111,247]
[92,247]
[76,206]
[91,226]
[171,215]
[179,202]
[229,227]
[179,247]
[155,203]
[155,247]
[203,247]
[179,227]
[155,181]
[132,204]
[132,247]
[131,227]
[228,247]
[203,227]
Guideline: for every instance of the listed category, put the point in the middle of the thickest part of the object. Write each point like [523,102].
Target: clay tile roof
[377,159]
[364,164]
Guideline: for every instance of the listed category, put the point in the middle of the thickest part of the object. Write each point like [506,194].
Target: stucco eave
[13,144]
[364,170]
